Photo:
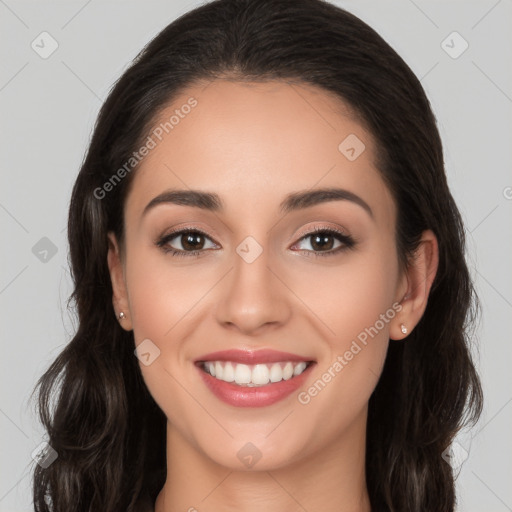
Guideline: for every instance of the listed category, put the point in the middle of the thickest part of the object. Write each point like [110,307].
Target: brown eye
[325,242]
[186,242]
[322,241]
[192,241]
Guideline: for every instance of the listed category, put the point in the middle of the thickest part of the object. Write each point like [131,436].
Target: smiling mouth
[253,375]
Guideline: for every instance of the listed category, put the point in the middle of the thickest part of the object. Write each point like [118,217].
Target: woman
[269,276]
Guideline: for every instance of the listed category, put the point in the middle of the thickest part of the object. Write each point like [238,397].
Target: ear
[119,290]
[415,286]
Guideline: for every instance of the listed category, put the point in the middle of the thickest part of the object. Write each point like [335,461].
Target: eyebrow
[292,202]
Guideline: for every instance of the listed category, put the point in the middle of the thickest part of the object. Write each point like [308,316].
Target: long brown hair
[106,428]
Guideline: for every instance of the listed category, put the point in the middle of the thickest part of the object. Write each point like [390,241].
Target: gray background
[48,107]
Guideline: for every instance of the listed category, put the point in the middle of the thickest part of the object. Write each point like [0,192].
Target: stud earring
[403,329]
[122,316]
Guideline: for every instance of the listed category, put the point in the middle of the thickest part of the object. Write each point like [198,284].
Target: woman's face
[263,283]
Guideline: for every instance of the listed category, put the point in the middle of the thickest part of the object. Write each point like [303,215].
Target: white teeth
[288,371]
[260,375]
[276,374]
[229,373]
[242,374]
[299,368]
[254,375]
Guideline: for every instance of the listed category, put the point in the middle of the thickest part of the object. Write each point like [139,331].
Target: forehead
[254,142]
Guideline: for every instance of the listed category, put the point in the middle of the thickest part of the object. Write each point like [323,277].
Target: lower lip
[261,396]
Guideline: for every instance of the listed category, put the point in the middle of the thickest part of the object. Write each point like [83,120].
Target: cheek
[355,303]
[162,293]
[164,299]
[162,296]
[349,297]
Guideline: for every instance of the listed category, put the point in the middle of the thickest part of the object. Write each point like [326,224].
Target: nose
[253,299]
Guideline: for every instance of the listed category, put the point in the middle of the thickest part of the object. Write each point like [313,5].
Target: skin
[254,143]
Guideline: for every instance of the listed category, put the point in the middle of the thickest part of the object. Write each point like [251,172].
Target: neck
[327,481]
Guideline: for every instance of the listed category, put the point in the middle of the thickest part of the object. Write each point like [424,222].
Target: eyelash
[347,242]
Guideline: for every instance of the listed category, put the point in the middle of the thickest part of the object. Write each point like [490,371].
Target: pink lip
[252,357]
[243,396]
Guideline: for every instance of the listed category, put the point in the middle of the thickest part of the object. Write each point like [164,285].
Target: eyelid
[321,228]
[185,229]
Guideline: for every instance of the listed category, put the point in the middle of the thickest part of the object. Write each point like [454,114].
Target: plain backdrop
[48,107]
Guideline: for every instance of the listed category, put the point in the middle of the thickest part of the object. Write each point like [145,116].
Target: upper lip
[251,356]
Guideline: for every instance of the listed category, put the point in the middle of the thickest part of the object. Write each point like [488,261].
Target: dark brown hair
[106,428]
